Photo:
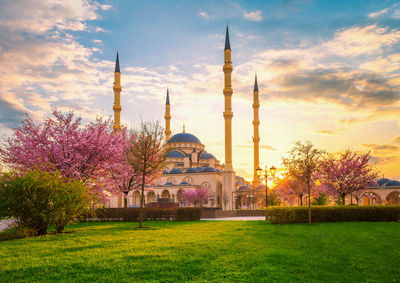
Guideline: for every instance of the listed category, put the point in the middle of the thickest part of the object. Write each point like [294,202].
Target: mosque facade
[190,167]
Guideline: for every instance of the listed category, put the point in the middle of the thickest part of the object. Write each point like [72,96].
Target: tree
[62,144]
[302,164]
[347,173]
[146,154]
[195,197]
[291,190]
[120,175]
[38,198]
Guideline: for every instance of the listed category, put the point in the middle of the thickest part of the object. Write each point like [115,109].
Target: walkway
[246,218]
[6,224]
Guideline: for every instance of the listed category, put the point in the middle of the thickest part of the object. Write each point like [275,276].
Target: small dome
[165,171]
[184,137]
[392,184]
[184,183]
[382,181]
[175,171]
[217,170]
[207,155]
[169,184]
[175,153]
[192,170]
[243,188]
[208,169]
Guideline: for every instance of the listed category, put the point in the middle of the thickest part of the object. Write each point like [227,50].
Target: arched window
[206,185]
[171,180]
[188,180]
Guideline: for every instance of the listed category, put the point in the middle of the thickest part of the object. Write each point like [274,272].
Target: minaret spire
[227,68]
[117,64]
[167,117]
[256,136]
[117,95]
[227,42]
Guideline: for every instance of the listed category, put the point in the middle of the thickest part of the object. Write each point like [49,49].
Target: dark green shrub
[38,199]
[280,215]
[132,214]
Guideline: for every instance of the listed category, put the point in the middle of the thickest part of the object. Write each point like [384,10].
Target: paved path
[237,218]
[6,224]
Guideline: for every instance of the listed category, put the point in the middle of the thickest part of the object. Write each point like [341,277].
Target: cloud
[391,11]
[263,146]
[379,13]
[356,40]
[325,132]
[255,16]
[268,147]
[382,148]
[37,17]
[396,139]
[204,14]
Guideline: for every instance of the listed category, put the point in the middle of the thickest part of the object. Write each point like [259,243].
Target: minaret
[117,96]
[256,137]
[167,118]
[228,103]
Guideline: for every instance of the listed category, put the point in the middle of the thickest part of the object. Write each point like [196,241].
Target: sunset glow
[328,71]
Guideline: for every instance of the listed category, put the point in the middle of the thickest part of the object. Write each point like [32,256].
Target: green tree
[146,154]
[302,164]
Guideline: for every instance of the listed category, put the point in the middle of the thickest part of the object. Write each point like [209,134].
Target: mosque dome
[175,153]
[243,188]
[392,184]
[207,155]
[184,137]
[165,171]
[208,169]
[192,170]
[382,181]
[175,171]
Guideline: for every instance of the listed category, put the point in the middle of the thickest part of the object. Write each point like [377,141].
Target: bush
[280,215]
[38,199]
[132,214]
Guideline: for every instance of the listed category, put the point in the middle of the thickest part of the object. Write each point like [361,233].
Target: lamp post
[264,176]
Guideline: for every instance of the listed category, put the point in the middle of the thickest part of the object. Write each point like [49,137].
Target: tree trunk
[141,204]
[343,197]
[301,200]
[309,201]
[125,201]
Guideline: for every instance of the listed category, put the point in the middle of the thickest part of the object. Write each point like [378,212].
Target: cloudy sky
[328,71]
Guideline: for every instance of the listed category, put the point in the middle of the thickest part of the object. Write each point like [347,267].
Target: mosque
[189,166]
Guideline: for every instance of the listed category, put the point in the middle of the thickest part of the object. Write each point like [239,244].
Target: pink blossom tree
[347,173]
[291,190]
[62,143]
[195,197]
[121,176]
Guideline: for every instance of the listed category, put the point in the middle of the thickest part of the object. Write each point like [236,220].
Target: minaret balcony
[227,68]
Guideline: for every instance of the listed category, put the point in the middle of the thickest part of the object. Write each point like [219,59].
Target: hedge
[132,214]
[281,215]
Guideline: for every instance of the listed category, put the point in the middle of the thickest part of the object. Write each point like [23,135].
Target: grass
[227,251]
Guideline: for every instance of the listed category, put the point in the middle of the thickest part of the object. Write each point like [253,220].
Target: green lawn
[227,251]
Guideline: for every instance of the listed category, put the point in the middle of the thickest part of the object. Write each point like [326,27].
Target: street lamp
[264,176]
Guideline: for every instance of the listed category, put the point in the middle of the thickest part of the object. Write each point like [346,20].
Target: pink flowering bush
[195,197]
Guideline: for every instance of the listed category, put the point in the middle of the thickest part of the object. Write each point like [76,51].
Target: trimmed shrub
[132,214]
[38,199]
[282,215]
